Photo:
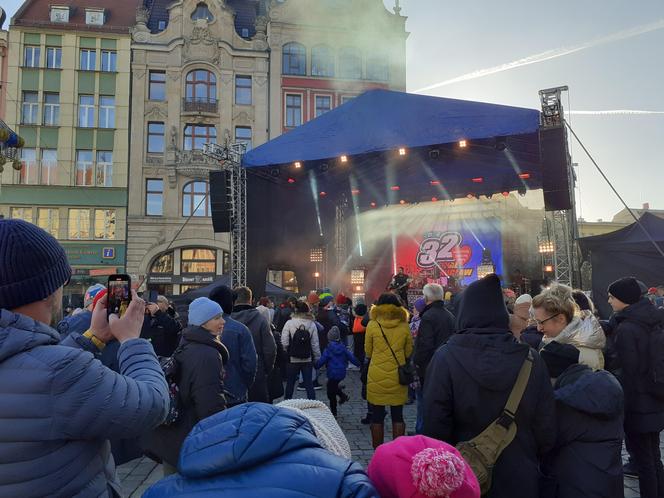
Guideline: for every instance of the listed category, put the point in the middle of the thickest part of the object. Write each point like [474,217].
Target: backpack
[482,452]
[300,344]
[171,368]
[655,383]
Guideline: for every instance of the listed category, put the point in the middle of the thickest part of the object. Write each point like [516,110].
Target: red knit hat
[313,298]
[421,467]
[340,299]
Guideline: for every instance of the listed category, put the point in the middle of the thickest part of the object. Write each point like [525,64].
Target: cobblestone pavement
[137,475]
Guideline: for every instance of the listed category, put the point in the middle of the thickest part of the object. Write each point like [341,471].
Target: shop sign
[180,279]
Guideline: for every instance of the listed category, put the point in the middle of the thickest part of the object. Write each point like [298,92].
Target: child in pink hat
[421,467]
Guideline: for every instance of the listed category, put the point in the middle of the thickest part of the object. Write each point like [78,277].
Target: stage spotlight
[463,144]
[291,180]
[402,151]
[524,176]
[395,187]
[434,154]
[344,159]
[479,179]
[316,274]
[358,288]
[323,194]
[275,172]
[324,168]
[434,182]
[298,164]
[548,269]
[373,204]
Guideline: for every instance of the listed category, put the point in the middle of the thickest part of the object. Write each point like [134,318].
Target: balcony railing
[199,104]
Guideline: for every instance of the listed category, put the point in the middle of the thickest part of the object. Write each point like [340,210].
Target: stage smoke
[550,54]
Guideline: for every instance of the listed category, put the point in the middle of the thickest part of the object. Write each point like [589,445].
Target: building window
[196,136]
[323,104]
[105,224]
[78,226]
[157,90]
[106,111]
[154,197]
[201,12]
[109,61]
[161,25]
[294,59]
[155,138]
[51,109]
[84,168]
[201,86]
[377,69]
[21,213]
[29,174]
[346,98]
[196,199]
[49,165]
[30,108]
[198,260]
[86,111]
[104,168]
[163,264]
[31,56]
[322,61]
[293,110]
[49,220]
[243,136]
[243,90]
[350,64]
[53,57]
[88,61]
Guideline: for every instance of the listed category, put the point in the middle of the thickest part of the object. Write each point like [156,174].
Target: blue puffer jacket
[75,324]
[257,449]
[60,405]
[242,362]
[336,357]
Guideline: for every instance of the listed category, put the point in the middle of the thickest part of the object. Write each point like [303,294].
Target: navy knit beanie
[626,290]
[483,306]
[33,265]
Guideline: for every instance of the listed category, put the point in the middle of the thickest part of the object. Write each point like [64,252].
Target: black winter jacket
[587,458]
[467,385]
[201,358]
[532,337]
[436,327]
[162,331]
[643,411]
[266,349]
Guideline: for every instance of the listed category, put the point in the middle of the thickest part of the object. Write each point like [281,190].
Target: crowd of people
[516,397]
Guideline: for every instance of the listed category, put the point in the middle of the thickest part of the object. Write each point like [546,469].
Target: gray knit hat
[33,265]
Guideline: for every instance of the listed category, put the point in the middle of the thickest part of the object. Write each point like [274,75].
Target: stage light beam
[313,184]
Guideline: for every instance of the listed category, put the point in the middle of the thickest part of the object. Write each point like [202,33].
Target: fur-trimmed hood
[388,315]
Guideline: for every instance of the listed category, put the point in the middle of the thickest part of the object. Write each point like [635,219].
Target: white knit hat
[524,298]
[325,426]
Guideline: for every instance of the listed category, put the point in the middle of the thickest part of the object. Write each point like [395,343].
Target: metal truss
[340,235]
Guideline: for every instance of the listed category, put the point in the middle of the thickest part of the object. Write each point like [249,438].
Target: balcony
[199,105]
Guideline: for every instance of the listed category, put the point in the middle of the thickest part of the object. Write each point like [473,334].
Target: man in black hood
[469,380]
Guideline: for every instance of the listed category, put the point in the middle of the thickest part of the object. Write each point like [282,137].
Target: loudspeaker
[555,170]
[220,201]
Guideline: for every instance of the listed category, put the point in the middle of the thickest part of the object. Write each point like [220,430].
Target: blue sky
[450,39]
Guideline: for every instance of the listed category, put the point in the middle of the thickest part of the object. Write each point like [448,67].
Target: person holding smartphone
[60,404]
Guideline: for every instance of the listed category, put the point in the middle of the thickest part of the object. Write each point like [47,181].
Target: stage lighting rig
[552,109]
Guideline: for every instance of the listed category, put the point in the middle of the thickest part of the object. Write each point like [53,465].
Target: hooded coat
[586,460]
[261,450]
[585,333]
[383,386]
[266,348]
[643,411]
[468,383]
[60,405]
[336,357]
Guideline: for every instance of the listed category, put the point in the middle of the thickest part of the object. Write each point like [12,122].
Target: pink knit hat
[421,467]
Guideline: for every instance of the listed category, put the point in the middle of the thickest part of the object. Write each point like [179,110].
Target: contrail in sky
[550,54]
[614,112]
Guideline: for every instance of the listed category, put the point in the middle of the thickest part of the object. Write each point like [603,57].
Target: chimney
[646,206]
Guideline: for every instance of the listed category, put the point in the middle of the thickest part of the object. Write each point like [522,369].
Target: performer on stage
[399,284]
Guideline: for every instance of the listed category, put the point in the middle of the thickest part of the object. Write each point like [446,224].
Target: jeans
[378,414]
[292,372]
[644,449]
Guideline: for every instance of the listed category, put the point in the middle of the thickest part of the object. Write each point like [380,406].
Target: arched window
[294,59]
[322,61]
[377,68]
[196,199]
[162,263]
[201,87]
[201,12]
[350,64]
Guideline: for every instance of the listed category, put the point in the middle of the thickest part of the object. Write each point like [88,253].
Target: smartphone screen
[119,294]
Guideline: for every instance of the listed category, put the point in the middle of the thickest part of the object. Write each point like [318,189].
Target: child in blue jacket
[336,357]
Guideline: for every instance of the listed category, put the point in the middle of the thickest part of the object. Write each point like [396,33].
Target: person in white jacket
[559,318]
[301,357]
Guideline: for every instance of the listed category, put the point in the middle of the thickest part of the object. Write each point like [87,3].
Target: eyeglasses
[539,323]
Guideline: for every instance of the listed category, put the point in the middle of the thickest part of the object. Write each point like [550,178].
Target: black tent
[625,252]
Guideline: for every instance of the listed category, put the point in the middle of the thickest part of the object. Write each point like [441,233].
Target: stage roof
[502,152]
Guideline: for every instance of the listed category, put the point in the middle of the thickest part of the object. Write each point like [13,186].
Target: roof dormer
[95,17]
[59,13]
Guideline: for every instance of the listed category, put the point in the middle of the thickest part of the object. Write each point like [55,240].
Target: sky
[623,72]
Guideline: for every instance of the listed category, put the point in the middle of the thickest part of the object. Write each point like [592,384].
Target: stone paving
[137,475]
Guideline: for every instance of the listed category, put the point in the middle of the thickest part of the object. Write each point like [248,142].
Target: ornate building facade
[233,71]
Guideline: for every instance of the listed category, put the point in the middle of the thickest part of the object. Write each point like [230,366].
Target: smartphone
[119,294]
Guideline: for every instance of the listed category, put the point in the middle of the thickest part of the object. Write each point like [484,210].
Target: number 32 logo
[442,248]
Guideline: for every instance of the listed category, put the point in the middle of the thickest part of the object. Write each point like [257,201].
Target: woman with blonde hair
[560,319]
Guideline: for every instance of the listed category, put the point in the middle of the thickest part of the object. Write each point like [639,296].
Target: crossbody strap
[515,396]
[388,344]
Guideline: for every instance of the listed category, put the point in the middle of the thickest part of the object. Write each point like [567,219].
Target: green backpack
[483,450]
